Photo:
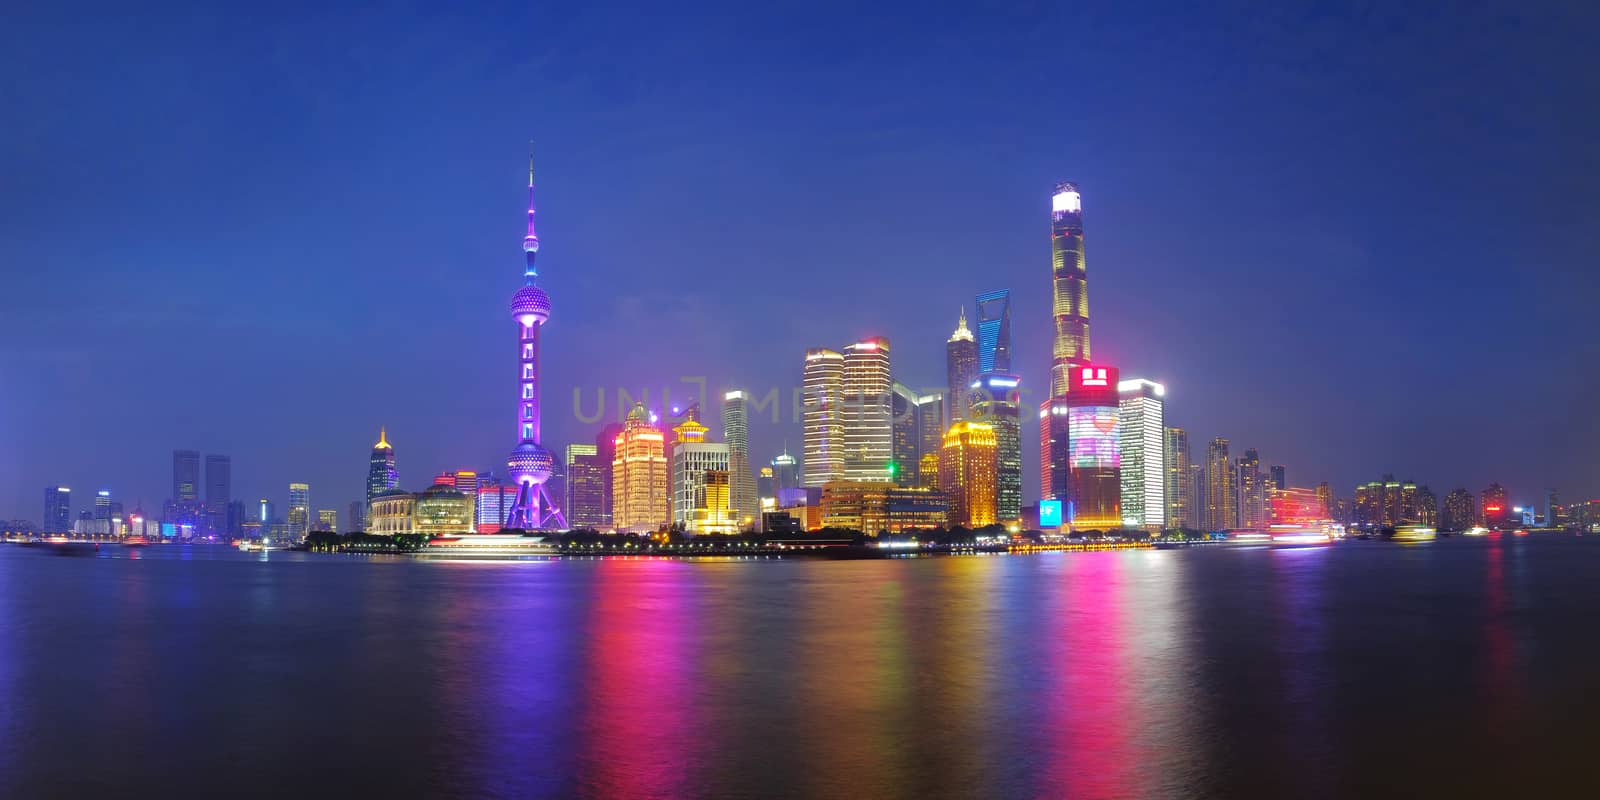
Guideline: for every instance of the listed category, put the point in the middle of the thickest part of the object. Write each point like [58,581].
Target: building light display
[1094,452]
[1049,514]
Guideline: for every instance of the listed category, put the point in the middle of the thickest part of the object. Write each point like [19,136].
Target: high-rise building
[102,505]
[1197,496]
[530,464]
[1094,452]
[605,451]
[785,472]
[299,518]
[766,491]
[997,401]
[1055,464]
[692,459]
[357,515]
[381,473]
[1278,478]
[1069,282]
[1325,497]
[219,491]
[494,507]
[918,429]
[1222,504]
[961,369]
[994,331]
[1496,511]
[868,424]
[57,510]
[823,415]
[967,465]
[1252,489]
[235,519]
[1142,448]
[641,495]
[327,520]
[741,480]
[264,512]
[1178,488]
[185,476]
[585,486]
[1460,511]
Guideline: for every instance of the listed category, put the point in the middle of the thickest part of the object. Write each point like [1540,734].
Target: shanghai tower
[530,464]
[1070,291]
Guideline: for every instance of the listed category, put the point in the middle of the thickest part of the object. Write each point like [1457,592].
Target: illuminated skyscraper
[868,424]
[967,467]
[1176,453]
[996,399]
[692,459]
[1070,282]
[530,464]
[1496,511]
[1222,505]
[994,331]
[1278,479]
[823,416]
[357,515]
[785,472]
[605,451]
[741,480]
[1142,445]
[57,510]
[641,496]
[585,486]
[1460,511]
[381,473]
[299,508]
[1325,497]
[961,369]
[1096,456]
[327,520]
[1252,489]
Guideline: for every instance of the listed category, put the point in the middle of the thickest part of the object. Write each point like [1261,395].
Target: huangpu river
[1460,667]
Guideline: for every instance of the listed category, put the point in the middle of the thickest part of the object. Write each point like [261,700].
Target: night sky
[1360,239]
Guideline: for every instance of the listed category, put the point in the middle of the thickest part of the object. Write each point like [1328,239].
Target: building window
[527,371]
[527,391]
[527,411]
[527,431]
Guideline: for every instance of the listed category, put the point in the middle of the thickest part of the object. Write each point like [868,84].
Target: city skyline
[323,277]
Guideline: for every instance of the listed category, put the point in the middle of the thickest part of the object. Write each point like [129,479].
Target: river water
[1464,667]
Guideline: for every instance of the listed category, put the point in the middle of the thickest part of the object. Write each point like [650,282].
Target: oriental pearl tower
[530,465]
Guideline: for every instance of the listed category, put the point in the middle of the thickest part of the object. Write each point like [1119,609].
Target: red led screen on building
[1092,385]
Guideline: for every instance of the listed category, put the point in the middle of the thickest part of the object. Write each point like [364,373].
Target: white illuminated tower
[530,464]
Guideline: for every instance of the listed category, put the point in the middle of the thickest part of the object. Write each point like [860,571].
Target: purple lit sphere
[530,463]
[530,304]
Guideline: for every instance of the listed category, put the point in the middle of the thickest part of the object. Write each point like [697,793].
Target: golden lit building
[967,473]
[640,495]
[875,507]
[712,513]
[442,511]
[390,512]
[928,470]
[327,520]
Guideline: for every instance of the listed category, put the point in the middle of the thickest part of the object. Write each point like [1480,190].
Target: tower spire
[530,242]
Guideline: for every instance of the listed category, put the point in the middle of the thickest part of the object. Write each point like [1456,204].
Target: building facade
[868,422]
[1094,450]
[1222,504]
[876,507]
[1069,283]
[585,486]
[441,510]
[299,517]
[1252,488]
[823,415]
[641,500]
[693,461]
[390,512]
[1460,511]
[994,331]
[1141,440]
[1178,488]
[744,498]
[381,473]
[967,473]
[961,370]
[57,510]
[996,400]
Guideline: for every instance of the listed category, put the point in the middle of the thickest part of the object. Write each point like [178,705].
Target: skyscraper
[1095,455]
[996,401]
[785,472]
[1460,511]
[605,452]
[357,516]
[57,510]
[1278,479]
[918,429]
[299,508]
[1142,447]
[186,477]
[219,491]
[961,369]
[868,424]
[1496,513]
[530,464]
[823,387]
[1325,498]
[327,520]
[381,473]
[1252,489]
[1222,505]
[1070,284]
[967,473]
[1055,464]
[585,486]
[741,479]
[692,459]
[641,494]
[1178,486]
[994,331]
